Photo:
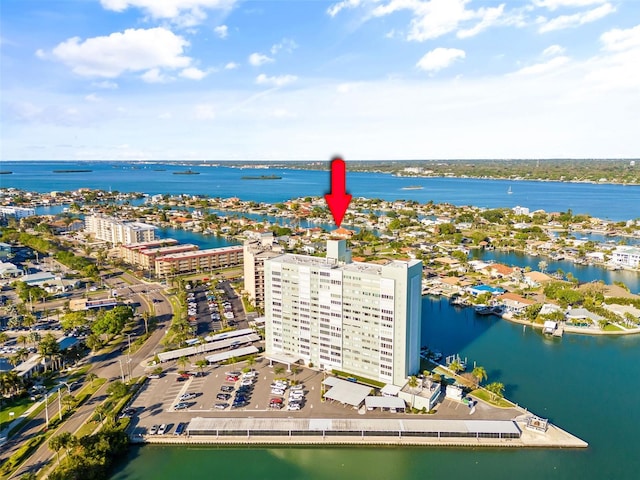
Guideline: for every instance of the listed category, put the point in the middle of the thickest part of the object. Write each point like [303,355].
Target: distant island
[72,171]
[5,172]
[261,177]
[413,187]
[187,172]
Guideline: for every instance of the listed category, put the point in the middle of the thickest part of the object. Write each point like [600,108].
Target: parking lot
[155,404]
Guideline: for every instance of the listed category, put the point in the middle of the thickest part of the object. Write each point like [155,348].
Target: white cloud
[336,8]
[193,73]
[92,97]
[553,51]
[439,58]
[488,18]
[286,45]
[221,31]
[165,116]
[555,4]
[105,84]
[183,12]
[257,59]
[231,66]
[571,21]
[41,54]
[154,76]
[275,81]
[204,112]
[132,50]
[544,67]
[617,39]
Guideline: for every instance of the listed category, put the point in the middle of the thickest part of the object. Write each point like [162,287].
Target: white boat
[509,192]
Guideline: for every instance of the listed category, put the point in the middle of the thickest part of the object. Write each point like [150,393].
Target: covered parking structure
[240,352]
[284,358]
[393,404]
[209,347]
[347,393]
[353,427]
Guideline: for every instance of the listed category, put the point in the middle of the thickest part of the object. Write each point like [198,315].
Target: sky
[310,79]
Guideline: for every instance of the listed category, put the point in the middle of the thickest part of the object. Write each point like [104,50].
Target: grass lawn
[486,396]
[17,406]
[612,328]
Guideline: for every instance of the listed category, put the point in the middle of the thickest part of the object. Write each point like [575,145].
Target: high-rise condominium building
[116,231]
[360,318]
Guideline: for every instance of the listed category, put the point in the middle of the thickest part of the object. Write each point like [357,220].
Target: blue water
[615,202]
[586,385]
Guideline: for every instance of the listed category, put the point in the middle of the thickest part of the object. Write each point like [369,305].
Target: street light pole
[121,370]
[129,355]
[46,408]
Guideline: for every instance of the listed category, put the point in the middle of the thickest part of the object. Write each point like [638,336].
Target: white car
[293,406]
[153,430]
[162,429]
[246,382]
[250,375]
[297,388]
[275,391]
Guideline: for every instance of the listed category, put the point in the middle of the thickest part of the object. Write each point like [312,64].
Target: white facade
[116,231]
[627,256]
[359,318]
[520,210]
[17,212]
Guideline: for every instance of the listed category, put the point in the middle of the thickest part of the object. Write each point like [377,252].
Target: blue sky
[305,80]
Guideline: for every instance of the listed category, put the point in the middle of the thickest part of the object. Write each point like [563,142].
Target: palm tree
[91,377]
[183,362]
[295,370]
[55,444]
[413,382]
[3,337]
[542,266]
[496,389]
[456,366]
[251,361]
[479,374]
[68,400]
[279,370]
[146,316]
[101,410]
[201,364]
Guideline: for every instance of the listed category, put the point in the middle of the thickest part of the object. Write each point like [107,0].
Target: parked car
[232,379]
[162,429]
[227,388]
[188,396]
[181,406]
[154,429]
[221,406]
[180,428]
[293,406]
[295,388]
[277,391]
[223,396]
[154,375]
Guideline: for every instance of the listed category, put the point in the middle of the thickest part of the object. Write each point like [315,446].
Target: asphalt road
[105,366]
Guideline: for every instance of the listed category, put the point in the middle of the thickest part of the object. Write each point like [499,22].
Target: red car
[232,379]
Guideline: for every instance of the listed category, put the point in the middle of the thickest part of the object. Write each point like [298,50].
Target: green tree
[48,348]
[183,362]
[278,370]
[413,382]
[117,389]
[479,374]
[456,366]
[496,389]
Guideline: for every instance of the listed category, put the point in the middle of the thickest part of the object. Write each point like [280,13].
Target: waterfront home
[583,316]
[623,311]
[548,308]
[534,279]
[515,303]
[497,270]
[480,289]
[626,256]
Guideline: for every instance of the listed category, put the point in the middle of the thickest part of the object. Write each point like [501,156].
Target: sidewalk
[5,432]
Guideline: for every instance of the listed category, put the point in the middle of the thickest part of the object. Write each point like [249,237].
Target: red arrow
[338,200]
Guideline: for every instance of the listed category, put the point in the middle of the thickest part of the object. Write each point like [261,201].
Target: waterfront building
[116,231]
[8,269]
[145,257]
[17,212]
[255,253]
[130,253]
[626,256]
[198,261]
[363,319]
[520,210]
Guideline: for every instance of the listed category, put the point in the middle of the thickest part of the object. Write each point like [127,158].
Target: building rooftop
[201,253]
